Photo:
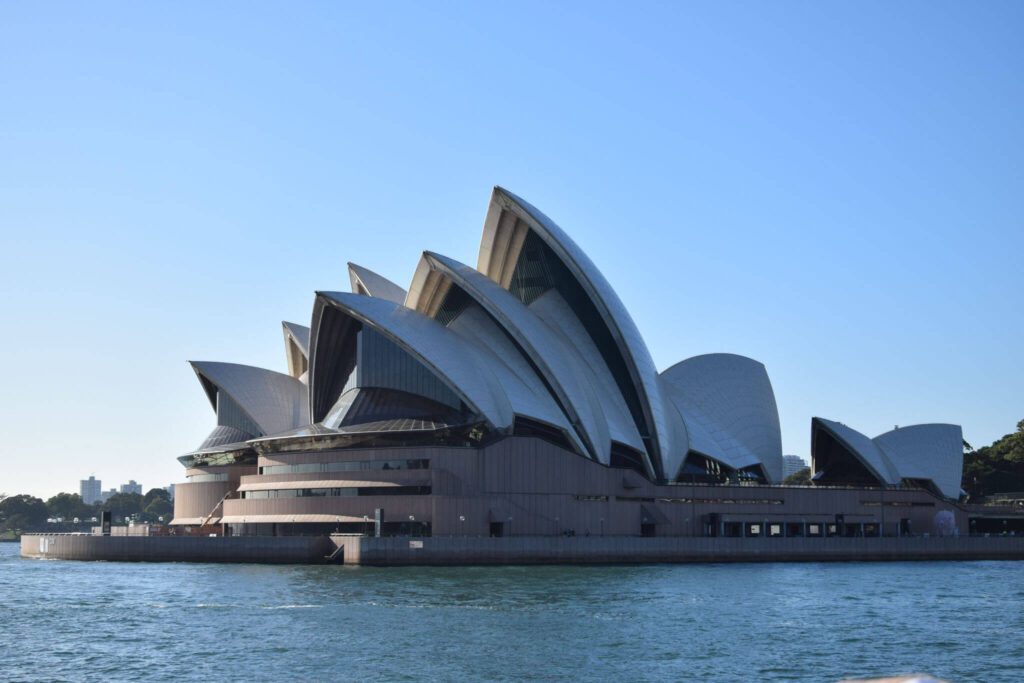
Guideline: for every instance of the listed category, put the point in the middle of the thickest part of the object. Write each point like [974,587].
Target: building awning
[193,521]
[650,514]
[332,484]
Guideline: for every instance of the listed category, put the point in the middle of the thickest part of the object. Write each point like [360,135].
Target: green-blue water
[754,622]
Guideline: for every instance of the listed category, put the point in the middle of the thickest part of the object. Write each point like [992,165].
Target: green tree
[69,506]
[152,495]
[998,468]
[123,505]
[159,507]
[23,513]
[801,477]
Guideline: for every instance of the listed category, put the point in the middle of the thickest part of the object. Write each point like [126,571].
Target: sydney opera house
[518,398]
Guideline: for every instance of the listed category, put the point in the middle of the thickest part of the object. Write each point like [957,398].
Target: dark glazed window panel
[455,302]
[524,426]
[383,363]
[628,458]
[331,365]
[700,469]
[835,464]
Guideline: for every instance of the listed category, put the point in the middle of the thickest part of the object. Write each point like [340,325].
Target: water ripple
[784,622]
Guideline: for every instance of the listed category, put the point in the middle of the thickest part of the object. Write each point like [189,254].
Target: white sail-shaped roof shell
[931,452]
[275,402]
[499,249]
[365,281]
[455,361]
[729,409]
[571,382]
[928,451]
[552,309]
[296,346]
[866,450]
[526,393]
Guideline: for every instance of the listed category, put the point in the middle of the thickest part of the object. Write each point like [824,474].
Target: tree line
[23,513]
[998,468]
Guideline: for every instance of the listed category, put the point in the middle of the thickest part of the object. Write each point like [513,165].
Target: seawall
[625,550]
[256,549]
[361,550]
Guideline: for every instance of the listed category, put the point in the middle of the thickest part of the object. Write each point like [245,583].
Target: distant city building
[90,490]
[791,464]
[170,491]
[105,496]
[131,487]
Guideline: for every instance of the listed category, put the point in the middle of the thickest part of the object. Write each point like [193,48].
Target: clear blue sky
[835,189]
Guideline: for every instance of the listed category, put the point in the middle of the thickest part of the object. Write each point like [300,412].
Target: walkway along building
[518,398]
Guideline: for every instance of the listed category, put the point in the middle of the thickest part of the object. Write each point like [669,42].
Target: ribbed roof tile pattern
[729,409]
[275,402]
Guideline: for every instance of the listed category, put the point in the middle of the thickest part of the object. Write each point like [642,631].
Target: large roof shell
[525,391]
[927,451]
[554,312]
[729,408]
[365,281]
[456,362]
[502,240]
[932,452]
[866,450]
[296,347]
[551,356]
[275,402]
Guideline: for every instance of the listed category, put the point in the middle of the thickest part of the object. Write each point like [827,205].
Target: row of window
[340,492]
[899,503]
[797,529]
[349,466]
[703,501]
[198,478]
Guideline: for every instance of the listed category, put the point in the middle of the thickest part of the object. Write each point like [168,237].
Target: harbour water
[963,621]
